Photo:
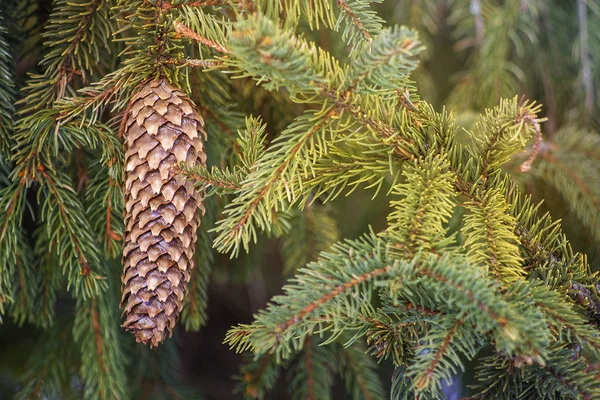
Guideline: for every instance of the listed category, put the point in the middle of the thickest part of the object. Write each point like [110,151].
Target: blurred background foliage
[477,52]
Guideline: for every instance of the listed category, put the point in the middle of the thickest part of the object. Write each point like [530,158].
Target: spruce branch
[257,376]
[346,168]
[216,180]
[315,230]
[185,31]
[503,131]
[325,293]
[95,330]
[474,296]
[568,325]
[385,62]
[24,283]
[425,206]
[77,36]
[359,371]
[194,314]
[309,373]
[575,178]
[584,54]
[441,349]
[17,266]
[251,142]
[392,332]
[328,296]
[361,23]
[490,239]
[7,91]
[276,57]
[540,236]
[46,373]
[70,234]
[514,284]
[261,194]
[565,376]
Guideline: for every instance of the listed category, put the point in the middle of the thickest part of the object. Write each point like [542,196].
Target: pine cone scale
[162,129]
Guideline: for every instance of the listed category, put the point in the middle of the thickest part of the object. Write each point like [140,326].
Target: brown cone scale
[162,128]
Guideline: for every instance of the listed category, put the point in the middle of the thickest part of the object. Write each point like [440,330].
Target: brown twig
[99,342]
[192,62]
[526,166]
[586,69]
[185,31]
[204,3]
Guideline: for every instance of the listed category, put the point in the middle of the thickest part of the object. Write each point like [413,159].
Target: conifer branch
[16,274]
[260,189]
[309,373]
[429,292]
[67,225]
[46,374]
[359,372]
[7,92]
[575,180]
[351,15]
[490,239]
[386,61]
[220,181]
[102,368]
[194,314]
[257,376]
[562,316]
[185,31]
[416,223]
[526,166]
[440,349]
[586,70]
[75,56]
[565,376]
[361,22]
[478,303]
[502,132]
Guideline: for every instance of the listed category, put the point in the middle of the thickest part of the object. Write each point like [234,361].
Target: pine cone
[162,129]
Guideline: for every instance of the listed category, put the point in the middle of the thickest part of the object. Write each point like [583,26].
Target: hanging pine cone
[162,129]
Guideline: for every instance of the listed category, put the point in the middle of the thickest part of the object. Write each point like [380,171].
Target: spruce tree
[144,143]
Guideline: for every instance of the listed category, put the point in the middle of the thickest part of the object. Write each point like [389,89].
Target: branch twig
[185,31]
[586,70]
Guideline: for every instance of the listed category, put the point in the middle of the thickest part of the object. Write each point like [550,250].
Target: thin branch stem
[192,62]
[354,18]
[185,31]
[526,166]
[586,69]
[475,9]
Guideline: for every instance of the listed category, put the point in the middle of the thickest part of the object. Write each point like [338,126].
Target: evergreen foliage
[470,270]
